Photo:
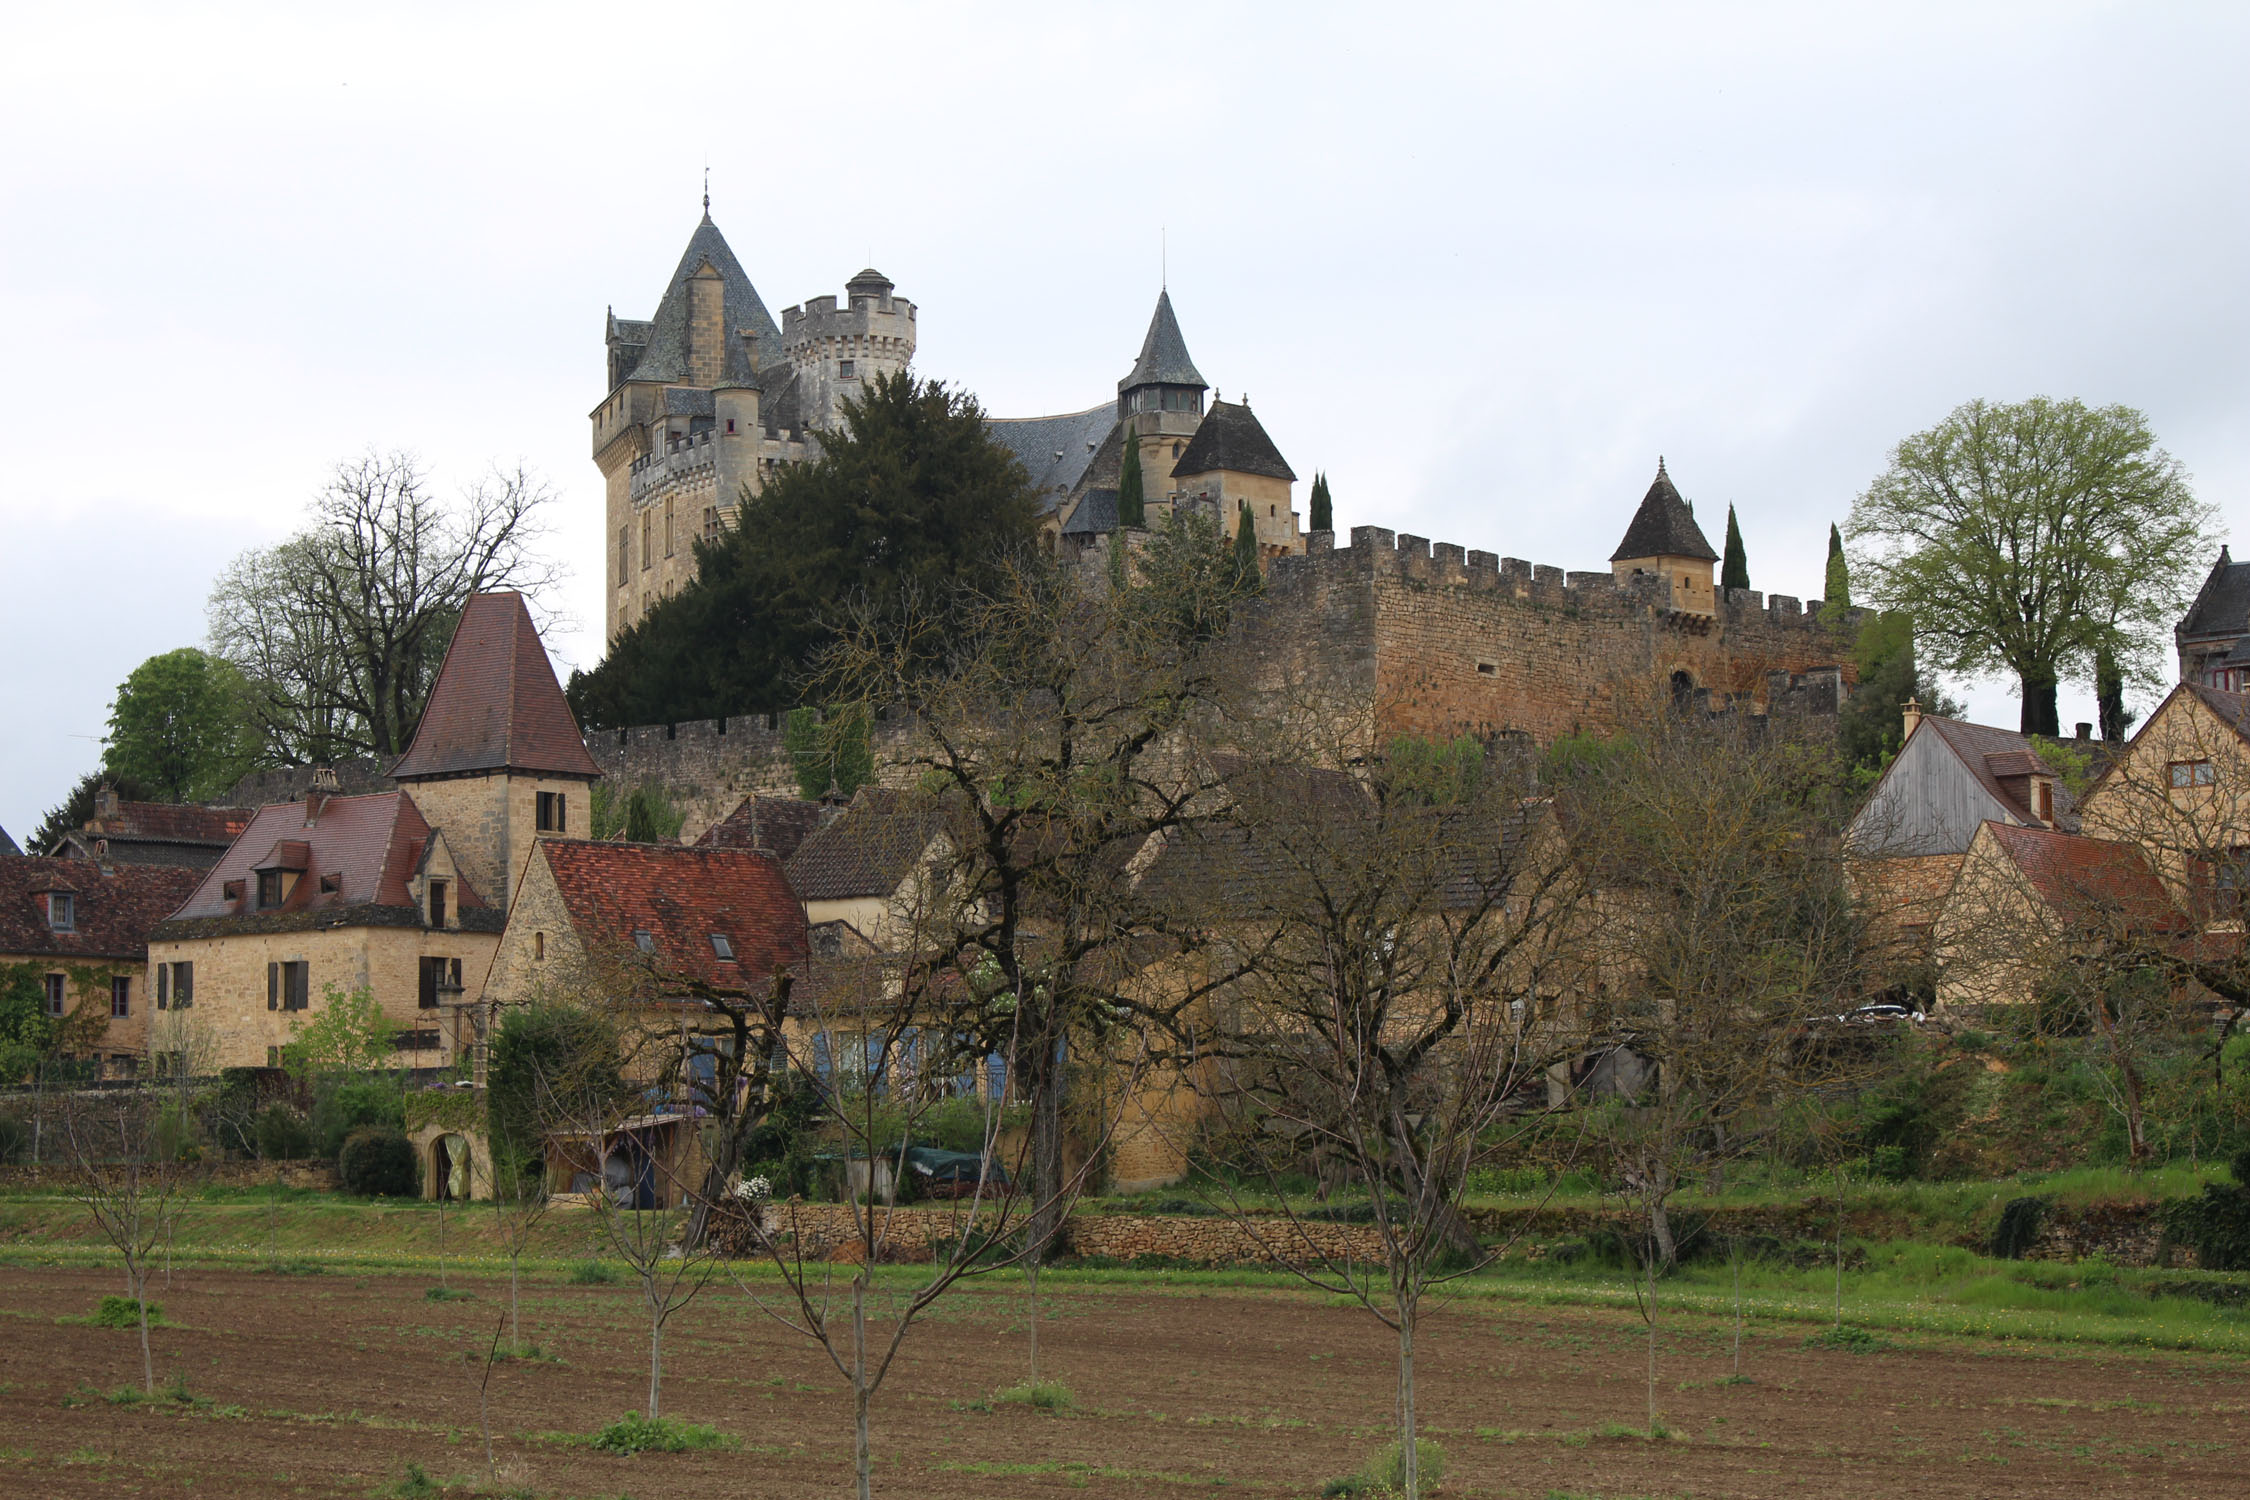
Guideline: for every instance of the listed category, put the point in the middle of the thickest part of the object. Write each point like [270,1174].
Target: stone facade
[491,821]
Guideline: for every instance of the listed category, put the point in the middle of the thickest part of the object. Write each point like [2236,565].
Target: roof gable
[113,908]
[496,705]
[2222,605]
[1664,526]
[2002,762]
[1232,438]
[665,357]
[1164,357]
[680,896]
[2085,878]
[868,849]
[778,825]
[357,851]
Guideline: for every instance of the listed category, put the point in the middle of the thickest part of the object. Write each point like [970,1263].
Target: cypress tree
[1132,505]
[1245,543]
[1734,573]
[1323,510]
[1839,586]
[2109,696]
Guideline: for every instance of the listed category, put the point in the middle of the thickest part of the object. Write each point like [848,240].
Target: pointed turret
[1664,540]
[701,331]
[1164,357]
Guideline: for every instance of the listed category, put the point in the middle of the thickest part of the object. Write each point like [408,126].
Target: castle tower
[1233,463]
[1665,540]
[839,352]
[497,759]
[1160,403]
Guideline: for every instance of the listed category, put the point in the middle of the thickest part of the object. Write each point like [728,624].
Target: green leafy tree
[911,497]
[540,1051]
[1873,723]
[643,813]
[350,1034]
[1132,503]
[2028,538]
[1245,543]
[1837,593]
[835,750]
[1323,508]
[26,1030]
[180,726]
[1734,573]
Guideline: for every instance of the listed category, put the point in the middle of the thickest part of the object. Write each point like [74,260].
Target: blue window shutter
[996,1075]
[820,1055]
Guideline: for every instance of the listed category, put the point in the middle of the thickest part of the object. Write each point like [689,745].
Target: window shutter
[163,985]
[996,1074]
[562,813]
[273,986]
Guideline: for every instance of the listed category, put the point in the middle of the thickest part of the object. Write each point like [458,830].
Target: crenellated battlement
[1378,552]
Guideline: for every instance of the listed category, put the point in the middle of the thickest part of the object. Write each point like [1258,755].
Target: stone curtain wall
[707,766]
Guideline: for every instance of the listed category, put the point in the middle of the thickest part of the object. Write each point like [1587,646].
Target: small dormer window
[644,940]
[331,884]
[62,911]
[723,946]
[437,903]
[269,889]
[2046,801]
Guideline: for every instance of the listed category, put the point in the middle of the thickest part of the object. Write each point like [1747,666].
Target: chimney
[1913,717]
[105,803]
[2085,731]
[317,794]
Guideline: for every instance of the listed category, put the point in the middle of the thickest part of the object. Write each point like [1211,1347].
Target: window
[120,996]
[288,985]
[1489,668]
[163,985]
[539,947]
[269,889]
[710,523]
[648,532]
[331,884]
[231,890]
[55,994]
[722,946]
[2046,802]
[730,427]
[62,911]
[2187,773]
[183,986]
[440,977]
[846,370]
[667,528]
[437,903]
[552,813]
[644,940]
[624,558]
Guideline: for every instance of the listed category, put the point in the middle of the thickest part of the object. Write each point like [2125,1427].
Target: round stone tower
[839,351]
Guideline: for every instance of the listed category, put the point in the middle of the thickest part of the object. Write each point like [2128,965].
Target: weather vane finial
[706,190]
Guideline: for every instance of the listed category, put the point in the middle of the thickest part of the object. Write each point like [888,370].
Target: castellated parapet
[1438,639]
[841,351]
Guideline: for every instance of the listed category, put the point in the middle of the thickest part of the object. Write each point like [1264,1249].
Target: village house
[2180,790]
[80,929]
[153,833]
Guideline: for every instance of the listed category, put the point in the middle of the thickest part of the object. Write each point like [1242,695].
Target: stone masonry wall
[906,1234]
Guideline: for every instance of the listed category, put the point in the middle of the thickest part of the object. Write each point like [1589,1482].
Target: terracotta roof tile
[114,908]
[779,826]
[2089,878]
[496,704]
[865,850]
[369,846]
[681,896]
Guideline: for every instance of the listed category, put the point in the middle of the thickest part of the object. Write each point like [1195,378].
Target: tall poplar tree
[1323,509]
[1837,592]
[1734,573]
[1132,504]
[1245,543]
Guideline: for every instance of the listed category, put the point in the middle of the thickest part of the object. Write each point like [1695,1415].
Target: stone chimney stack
[1913,717]
[317,794]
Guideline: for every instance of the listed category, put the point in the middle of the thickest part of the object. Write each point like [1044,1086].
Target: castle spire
[706,192]
[1164,356]
[1664,526]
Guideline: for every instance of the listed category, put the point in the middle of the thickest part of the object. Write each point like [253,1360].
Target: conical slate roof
[1164,357]
[1663,526]
[666,357]
[1232,438]
[496,705]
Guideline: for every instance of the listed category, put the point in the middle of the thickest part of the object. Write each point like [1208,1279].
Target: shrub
[15,1136]
[2215,1224]
[633,1433]
[414,1484]
[2018,1229]
[124,1312]
[1046,1395]
[378,1163]
[348,1105]
[1847,1340]
[593,1273]
[282,1133]
[1385,1473]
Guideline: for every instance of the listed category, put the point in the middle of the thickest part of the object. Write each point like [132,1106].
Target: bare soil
[331,1384]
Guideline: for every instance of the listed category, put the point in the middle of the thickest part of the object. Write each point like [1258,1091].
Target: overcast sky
[1482,264]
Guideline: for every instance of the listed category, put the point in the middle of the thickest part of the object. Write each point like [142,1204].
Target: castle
[709,395]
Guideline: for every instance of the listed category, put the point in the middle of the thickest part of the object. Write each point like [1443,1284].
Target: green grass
[125,1312]
[448,1294]
[634,1433]
[1046,1395]
[593,1273]
[1847,1339]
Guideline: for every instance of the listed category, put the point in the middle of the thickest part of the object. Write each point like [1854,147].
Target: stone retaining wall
[831,1230]
[320,1175]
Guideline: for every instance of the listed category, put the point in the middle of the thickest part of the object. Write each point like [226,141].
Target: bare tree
[341,628]
[124,1176]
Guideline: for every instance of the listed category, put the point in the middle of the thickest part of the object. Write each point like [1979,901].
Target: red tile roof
[867,849]
[2089,878]
[114,907]
[777,824]
[169,822]
[370,846]
[496,704]
[680,896]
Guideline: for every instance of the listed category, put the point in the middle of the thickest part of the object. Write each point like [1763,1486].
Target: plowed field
[330,1385]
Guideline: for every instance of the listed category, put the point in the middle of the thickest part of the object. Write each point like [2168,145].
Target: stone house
[82,927]
[402,893]
[153,833]
[862,873]
[2213,637]
[2180,790]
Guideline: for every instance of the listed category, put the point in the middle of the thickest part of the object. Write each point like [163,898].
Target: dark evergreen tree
[1838,591]
[1734,573]
[1873,724]
[912,495]
[1132,503]
[1323,509]
[1245,544]
[2109,696]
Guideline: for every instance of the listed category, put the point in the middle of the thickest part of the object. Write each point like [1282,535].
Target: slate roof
[2222,605]
[1663,526]
[496,704]
[666,356]
[2002,761]
[868,849]
[681,895]
[2082,877]
[1164,357]
[779,824]
[1095,515]
[7,845]
[1055,451]
[369,847]
[1232,438]
[115,908]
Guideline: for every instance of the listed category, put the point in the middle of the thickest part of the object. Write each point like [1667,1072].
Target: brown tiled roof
[780,826]
[680,896]
[496,704]
[115,907]
[369,847]
[2002,760]
[865,850]
[2089,878]
[171,822]
[1232,438]
[1664,526]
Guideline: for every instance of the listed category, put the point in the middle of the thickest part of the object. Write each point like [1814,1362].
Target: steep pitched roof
[868,849]
[681,896]
[496,704]
[1232,438]
[367,847]
[1997,758]
[777,825]
[2222,605]
[1056,451]
[7,845]
[1164,357]
[666,354]
[113,908]
[155,833]
[2083,877]
[1663,526]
